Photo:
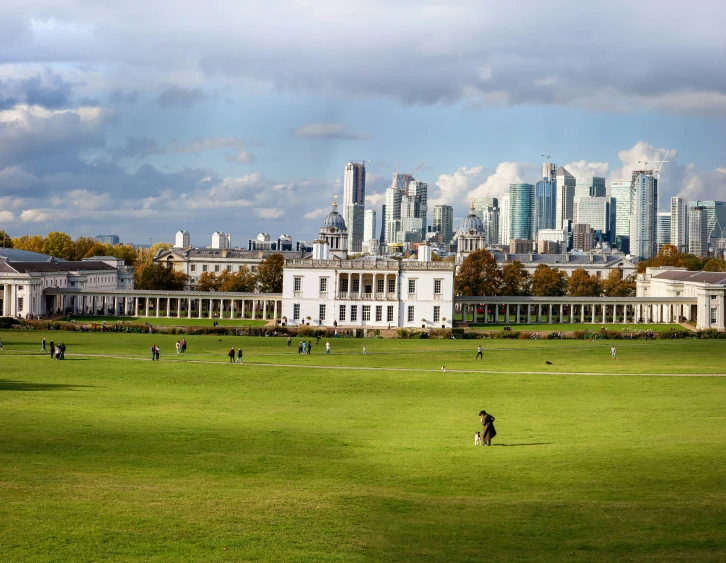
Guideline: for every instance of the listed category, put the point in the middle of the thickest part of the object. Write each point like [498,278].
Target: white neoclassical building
[371,292]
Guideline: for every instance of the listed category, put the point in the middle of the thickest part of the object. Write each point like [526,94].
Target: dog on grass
[477,439]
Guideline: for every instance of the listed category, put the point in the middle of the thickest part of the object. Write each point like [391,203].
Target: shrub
[403,333]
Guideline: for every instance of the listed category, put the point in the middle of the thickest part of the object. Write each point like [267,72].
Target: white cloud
[7,216]
[318,213]
[36,215]
[269,212]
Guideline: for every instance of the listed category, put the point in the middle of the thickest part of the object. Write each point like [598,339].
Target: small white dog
[477,439]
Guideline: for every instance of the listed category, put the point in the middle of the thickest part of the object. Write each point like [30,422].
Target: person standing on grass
[488,431]
[62,351]
[158,351]
[52,349]
[153,352]
[231,355]
[327,348]
[365,352]
[178,347]
[239,355]
[612,351]
[289,341]
[42,346]
[184,345]
[479,353]
[310,346]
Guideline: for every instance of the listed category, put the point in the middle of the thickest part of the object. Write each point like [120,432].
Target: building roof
[334,219]
[698,277]
[564,259]
[30,267]
[225,253]
[471,222]
[562,171]
[14,254]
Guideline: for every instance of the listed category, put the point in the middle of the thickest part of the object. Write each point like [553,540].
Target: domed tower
[334,232]
[471,235]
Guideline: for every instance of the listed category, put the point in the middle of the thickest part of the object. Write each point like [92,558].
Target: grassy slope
[114,459]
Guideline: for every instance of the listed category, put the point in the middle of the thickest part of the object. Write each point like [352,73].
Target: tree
[667,256]
[59,245]
[269,274]
[581,284]
[98,249]
[5,240]
[715,265]
[159,277]
[691,262]
[146,255]
[515,279]
[31,243]
[124,251]
[241,281]
[615,286]
[208,281]
[82,246]
[478,275]
[548,282]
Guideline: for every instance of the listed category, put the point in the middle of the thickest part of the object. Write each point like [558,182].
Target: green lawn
[170,321]
[364,458]
[565,327]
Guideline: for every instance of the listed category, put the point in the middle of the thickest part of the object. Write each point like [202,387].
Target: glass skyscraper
[643,215]
[546,212]
[716,211]
[522,207]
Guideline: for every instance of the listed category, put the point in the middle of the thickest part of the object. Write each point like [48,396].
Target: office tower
[419,190]
[549,171]
[589,186]
[716,216]
[621,192]
[444,222]
[583,237]
[355,221]
[354,184]
[521,211]
[546,194]
[183,240]
[565,183]
[382,238]
[490,222]
[483,203]
[697,230]
[394,193]
[679,223]
[369,227]
[643,214]
[505,227]
[221,240]
[663,234]
[108,239]
[599,213]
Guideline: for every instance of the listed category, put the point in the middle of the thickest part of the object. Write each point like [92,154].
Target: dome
[334,219]
[471,222]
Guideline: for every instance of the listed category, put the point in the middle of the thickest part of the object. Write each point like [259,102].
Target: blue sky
[147,117]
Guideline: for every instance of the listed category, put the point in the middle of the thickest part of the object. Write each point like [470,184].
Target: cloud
[242,156]
[326,131]
[35,216]
[139,148]
[318,213]
[269,212]
[48,90]
[121,97]
[6,216]
[178,97]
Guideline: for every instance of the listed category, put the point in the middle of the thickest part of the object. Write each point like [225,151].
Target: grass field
[109,457]
[170,321]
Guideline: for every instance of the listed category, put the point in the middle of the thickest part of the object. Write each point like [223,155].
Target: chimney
[424,252]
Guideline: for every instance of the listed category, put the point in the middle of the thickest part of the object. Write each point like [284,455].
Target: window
[323,285]
[296,284]
[412,286]
[229,268]
[713,297]
[20,303]
[204,268]
[379,286]
[389,314]
[379,313]
[353,313]
[356,285]
[437,313]
[240,267]
[20,288]
[366,312]
[391,286]
[296,312]
[437,287]
[341,313]
[599,273]
[321,311]
[216,267]
[344,285]
[411,313]
[713,314]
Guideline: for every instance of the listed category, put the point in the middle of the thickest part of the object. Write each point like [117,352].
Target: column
[506,313]
[549,313]
[529,313]
[136,306]
[189,308]
[264,309]
[275,311]
[146,302]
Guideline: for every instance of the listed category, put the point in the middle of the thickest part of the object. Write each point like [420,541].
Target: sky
[141,118]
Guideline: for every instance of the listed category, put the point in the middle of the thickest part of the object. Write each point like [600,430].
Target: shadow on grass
[520,445]
[9,385]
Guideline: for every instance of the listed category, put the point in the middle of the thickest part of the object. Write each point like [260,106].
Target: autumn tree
[515,279]
[82,246]
[98,249]
[124,251]
[667,256]
[548,282]
[31,243]
[241,281]
[581,284]
[159,277]
[478,275]
[207,281]
[715,265]
[615,286]
[5,240]
[691,262]
[59,245]
[269,274]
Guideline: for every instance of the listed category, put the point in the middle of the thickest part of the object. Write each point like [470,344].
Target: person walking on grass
[289,341]
[479,353]
[327,348]
[158,352]
[231,355]
[178,347]
[183,345]
[365,352]
[153,352]
[42,347]
[62,348]
[52,349]
[310,346]
[239,355]
[612,351]
[488,431]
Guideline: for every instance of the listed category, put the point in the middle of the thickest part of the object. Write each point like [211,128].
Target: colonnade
[352,286]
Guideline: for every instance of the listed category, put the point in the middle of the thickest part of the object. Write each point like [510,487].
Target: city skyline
[121,120]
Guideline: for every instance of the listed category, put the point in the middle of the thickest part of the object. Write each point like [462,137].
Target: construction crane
[408,177]
[662,162]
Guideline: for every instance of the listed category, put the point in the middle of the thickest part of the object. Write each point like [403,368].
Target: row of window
[355,285]
[219,268]
[350,313]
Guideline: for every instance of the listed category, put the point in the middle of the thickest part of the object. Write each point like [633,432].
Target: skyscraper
[621,192]
[663,235]
[679,223]
[505,230]
[643,215]
[394,193]
[697,230]
[382,238]
[589,186]
[444,222]
[369,227]
[546,194]
[716,216]
[490,222]
[419,190]
[565,197]
[599,213]
[522,211]
[354,195]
